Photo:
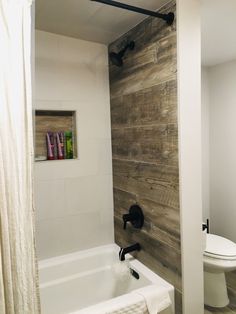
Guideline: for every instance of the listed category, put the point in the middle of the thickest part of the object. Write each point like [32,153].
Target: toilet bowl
[219,257]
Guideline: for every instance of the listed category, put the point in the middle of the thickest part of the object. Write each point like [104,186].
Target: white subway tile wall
[73,198]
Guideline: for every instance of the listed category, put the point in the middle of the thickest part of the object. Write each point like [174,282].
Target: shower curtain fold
[18,267]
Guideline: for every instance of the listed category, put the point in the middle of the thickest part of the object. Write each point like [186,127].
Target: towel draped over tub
[137,308]
[148,300]
[152,299]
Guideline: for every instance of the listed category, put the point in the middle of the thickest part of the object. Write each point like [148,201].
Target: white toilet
[219,257]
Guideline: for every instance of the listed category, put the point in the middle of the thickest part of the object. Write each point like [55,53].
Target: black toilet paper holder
[206,226]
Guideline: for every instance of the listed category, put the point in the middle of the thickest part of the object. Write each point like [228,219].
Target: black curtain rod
[169,18]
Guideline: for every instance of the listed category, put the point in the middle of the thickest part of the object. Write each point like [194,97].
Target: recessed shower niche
[55,135]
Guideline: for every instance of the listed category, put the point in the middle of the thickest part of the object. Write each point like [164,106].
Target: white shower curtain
[18,271]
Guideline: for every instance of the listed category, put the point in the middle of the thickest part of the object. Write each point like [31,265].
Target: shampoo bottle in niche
[50,146]
[60,145]
[68,145]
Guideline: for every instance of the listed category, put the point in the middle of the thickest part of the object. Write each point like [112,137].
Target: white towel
[148,300]
[157,298]
[126,304]
[136,308]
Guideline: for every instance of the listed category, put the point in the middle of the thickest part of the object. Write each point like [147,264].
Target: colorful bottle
[50,146]
[68,145]
[60,145]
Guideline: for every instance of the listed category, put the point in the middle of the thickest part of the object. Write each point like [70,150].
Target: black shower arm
[123,51]
[169,18]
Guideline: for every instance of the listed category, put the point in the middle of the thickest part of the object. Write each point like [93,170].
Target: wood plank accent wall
[145,145]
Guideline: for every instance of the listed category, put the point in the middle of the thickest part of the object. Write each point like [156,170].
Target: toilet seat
[220,248]
[222,257]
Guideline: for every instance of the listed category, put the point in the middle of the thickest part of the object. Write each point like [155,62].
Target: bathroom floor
[231,308]
[226,310]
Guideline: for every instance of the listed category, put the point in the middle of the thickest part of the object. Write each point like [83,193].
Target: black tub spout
[128,249]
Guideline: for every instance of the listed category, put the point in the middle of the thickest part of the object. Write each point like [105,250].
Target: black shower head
[117,58]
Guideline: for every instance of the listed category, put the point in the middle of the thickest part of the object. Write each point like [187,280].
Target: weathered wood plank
[156,187]
[162,217]
[159,215]
[123,200]
[151,174]
[132,78]
[155,143]
[158,198]
[155,105]
[157,30]
[159,225]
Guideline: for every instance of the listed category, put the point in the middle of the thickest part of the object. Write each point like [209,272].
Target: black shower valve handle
[135,217]
[126,218]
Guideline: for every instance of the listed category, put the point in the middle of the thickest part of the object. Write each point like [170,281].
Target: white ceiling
[218,31]
[90,20]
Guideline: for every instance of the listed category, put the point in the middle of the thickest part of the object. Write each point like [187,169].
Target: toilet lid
[220,246]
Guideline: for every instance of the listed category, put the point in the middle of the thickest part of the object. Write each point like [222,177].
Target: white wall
[74,203]
[205,145]
[222,84]
[189,115]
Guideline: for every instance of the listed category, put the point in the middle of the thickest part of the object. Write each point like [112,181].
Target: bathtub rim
[69,257]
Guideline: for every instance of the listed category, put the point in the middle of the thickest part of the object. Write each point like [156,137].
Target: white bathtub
[86,281]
